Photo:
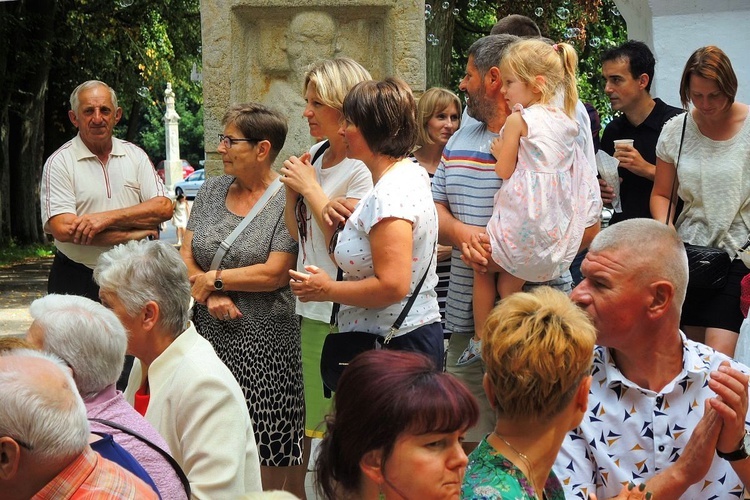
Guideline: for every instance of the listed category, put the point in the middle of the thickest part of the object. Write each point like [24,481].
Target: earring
[381,495]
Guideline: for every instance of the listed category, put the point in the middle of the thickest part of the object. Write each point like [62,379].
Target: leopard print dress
[262,349]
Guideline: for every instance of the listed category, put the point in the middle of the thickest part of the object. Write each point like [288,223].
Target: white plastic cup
[622,143]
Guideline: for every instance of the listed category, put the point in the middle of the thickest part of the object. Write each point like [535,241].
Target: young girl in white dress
[180,216]
[541,210]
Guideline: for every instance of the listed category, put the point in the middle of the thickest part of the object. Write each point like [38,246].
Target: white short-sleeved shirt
[349,179]
[402,193]
[74,181]
[713,182]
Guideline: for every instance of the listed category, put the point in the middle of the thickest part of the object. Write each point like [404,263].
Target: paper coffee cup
[623,143]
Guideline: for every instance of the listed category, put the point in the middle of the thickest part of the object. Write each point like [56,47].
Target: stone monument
[173,163]
[258,50]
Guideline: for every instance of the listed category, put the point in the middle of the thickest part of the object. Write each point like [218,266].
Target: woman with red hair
[396,430]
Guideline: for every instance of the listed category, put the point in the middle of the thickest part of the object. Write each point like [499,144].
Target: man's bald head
[650,249]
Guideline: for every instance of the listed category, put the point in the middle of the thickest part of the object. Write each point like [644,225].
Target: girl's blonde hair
[557,63]
[432,102]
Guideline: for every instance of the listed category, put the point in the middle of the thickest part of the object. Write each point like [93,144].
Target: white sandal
[471,354]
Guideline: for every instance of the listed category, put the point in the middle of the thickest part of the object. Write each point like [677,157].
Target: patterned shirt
[443,270]
[466,183]
[402,193]
[91,476]
[631,434]
[490,475]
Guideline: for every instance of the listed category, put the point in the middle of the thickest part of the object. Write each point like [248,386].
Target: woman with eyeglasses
[244,307]
[311,181]
[388,243]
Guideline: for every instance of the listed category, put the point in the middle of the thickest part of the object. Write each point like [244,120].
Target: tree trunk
[133,119]
[8,12]
[26,120]
[4,175]
[440,26]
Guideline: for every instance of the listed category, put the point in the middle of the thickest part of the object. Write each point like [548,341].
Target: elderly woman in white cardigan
[177,381]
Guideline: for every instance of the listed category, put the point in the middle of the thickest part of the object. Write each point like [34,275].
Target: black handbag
[340,348]
[708,266]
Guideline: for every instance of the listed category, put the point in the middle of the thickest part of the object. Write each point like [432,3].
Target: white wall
[675,28]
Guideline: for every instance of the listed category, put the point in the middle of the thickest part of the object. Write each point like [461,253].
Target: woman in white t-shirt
[311,180]
[391,230]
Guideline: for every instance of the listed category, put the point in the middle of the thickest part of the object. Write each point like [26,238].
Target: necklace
[386,170]
[525,460]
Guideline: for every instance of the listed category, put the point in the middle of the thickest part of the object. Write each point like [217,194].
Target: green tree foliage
[152,140]
[592,26]
[136,46]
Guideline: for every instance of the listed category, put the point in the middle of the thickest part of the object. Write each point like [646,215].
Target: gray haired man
[44,451]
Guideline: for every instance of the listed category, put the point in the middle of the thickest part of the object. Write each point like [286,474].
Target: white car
[190,186]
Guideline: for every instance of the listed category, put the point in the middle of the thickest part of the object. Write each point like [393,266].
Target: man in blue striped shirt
[463,189]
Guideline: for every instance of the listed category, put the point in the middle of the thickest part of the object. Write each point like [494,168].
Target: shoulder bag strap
[336,305]
[673,191]
[301,199]
[409,303]
[320,151]
[404,312]
[227,243]
[169,458]
[318,154]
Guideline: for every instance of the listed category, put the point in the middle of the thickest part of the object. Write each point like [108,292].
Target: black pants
[71,278]
[68,277]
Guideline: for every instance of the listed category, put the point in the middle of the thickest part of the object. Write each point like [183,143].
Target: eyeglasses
[335,239]
[21,443]
[229,141]
[302,219]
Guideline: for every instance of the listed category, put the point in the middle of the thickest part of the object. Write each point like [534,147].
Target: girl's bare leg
[507,284]
[484,300]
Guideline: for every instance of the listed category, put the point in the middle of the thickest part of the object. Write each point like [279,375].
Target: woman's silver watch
[218,283]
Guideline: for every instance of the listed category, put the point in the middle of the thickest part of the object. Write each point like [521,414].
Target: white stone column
[674,29]
[173,163]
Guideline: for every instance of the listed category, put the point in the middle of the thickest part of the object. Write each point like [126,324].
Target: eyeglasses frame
[229,141]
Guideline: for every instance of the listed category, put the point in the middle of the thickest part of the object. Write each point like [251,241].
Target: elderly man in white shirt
[96,191]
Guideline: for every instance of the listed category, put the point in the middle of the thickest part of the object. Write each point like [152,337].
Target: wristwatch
[739,454]
[218,283]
